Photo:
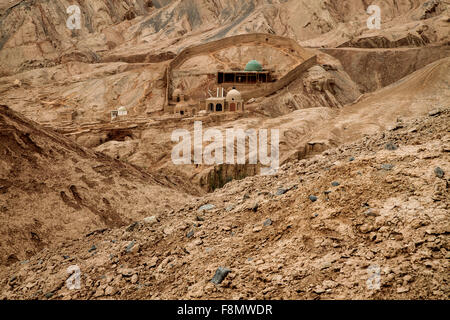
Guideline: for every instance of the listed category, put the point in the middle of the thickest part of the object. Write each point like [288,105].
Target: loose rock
[257,229]
[220,275]
[134,278]
[152,262]
[434,113]
[371,213]
[132,226]
[130,246]
[126,273]
[109,291]
[229,208]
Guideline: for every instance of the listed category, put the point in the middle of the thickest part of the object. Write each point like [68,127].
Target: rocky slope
[51,189]
[310,119]
[34,34]
[364,179]
[313,231]
[120,54]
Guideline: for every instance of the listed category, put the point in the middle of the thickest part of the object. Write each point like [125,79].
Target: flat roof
[264,71]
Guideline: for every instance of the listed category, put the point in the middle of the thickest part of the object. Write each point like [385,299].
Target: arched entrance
[211,107]
[233,106]
[219,107]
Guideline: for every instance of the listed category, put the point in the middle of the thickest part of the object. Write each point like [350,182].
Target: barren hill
[363,117]
[51,189]
[311,231]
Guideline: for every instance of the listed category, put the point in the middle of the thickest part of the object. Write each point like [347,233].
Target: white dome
[234,95]
[123,109]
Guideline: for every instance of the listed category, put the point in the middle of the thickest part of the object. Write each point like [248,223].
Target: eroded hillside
[363,117]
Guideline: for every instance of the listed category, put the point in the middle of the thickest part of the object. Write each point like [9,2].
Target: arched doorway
[219,107]
[211,107]
[232,106]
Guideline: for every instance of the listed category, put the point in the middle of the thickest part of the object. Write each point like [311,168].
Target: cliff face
[389,207]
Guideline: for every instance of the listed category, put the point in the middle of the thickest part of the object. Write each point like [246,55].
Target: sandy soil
[364,142]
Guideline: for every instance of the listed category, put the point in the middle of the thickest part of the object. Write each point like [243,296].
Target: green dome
[253,66]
